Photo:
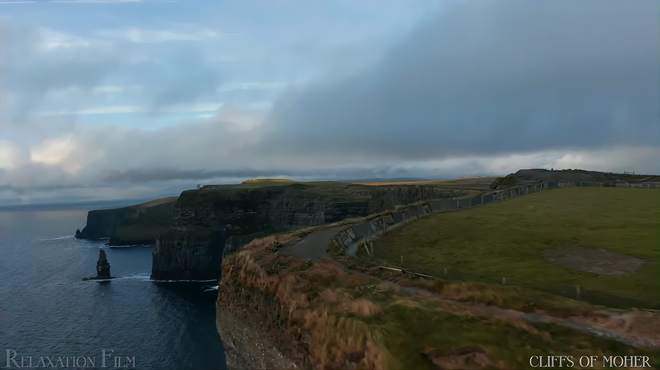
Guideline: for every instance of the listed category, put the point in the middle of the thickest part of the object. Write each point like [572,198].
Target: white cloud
[149,36]
[53,39]
[10,156]
[97,1]
[16,2]
[207,107]
[252,85]
[115,89]
[55,152]
[101,110]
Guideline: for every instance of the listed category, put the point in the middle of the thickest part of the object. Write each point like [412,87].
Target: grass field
[604,240]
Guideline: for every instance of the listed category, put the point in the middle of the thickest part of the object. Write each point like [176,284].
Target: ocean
[49,316]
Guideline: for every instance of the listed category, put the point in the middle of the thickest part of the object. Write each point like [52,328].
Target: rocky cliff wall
[187,255]
[243,213]
[186,231]
[139,224]
[100,223]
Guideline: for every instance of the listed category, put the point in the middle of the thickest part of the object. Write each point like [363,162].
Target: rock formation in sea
[103,266]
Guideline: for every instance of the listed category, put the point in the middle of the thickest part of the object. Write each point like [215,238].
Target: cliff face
[258,209]
[242,213]
[139,224]
[245,213]
[191,233]
[187,255]
[100,223]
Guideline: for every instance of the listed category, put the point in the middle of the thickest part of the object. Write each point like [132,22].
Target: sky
[111,99]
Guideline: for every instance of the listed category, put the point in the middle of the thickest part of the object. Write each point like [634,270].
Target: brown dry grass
[329,322]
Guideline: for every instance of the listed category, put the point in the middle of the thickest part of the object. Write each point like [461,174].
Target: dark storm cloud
[493,76]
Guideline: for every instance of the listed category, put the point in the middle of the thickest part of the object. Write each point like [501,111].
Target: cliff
[577,177]
[300,312]
[187,254]
[214,220]
[139,224]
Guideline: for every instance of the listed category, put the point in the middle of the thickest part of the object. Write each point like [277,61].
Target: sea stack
[102,266]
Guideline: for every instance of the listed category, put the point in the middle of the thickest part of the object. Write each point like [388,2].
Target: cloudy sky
[107,99]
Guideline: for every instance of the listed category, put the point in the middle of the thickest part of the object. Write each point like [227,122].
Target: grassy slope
[509,239]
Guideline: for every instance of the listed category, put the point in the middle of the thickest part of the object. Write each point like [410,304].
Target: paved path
[313,246]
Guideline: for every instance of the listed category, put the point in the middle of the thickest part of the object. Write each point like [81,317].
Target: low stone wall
[350,238]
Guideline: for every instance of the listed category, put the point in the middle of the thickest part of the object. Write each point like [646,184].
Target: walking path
[313,246]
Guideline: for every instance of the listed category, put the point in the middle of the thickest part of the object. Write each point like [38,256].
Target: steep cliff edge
[187,254]
[139,224]
[289,301]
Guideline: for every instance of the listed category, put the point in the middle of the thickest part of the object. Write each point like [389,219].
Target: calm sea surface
[46,310]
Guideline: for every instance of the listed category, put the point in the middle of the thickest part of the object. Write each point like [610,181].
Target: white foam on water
[211,289]
[57,238]
[145,276]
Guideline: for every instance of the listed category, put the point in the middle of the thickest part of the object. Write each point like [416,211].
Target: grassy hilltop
[606,240]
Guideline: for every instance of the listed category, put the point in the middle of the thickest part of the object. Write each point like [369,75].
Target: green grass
[509,239]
